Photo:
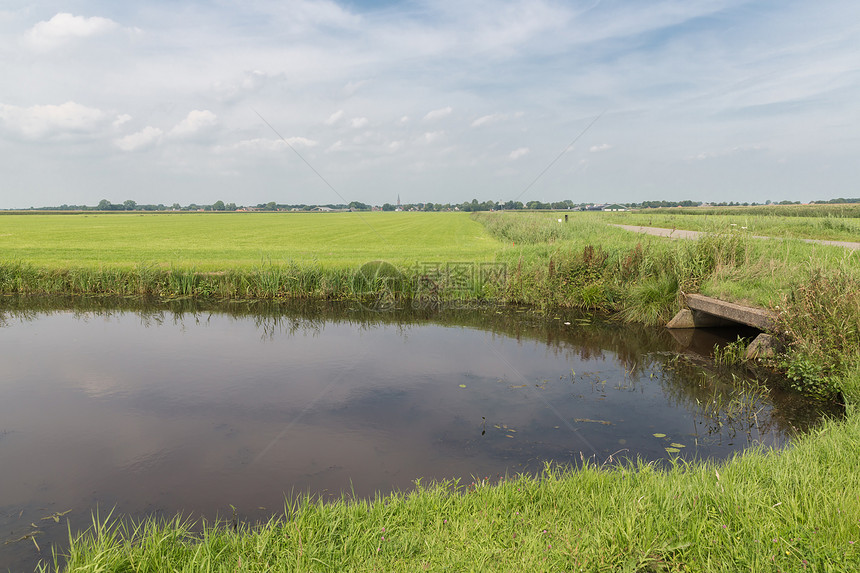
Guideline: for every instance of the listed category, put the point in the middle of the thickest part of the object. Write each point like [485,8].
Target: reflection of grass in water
[726,404]
[791,510]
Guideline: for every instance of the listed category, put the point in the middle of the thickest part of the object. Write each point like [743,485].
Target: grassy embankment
[793,510]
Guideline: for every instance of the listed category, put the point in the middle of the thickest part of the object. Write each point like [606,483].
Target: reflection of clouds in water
[95,384]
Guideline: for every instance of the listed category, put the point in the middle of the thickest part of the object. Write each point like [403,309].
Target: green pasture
[220,241]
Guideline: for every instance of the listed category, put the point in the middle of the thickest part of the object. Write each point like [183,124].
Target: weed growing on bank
[821,320]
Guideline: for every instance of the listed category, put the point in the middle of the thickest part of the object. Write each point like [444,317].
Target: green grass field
[222,241]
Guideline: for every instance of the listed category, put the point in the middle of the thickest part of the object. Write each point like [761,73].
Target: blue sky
[713,100]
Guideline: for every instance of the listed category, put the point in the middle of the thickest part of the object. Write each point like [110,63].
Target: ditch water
[192,410]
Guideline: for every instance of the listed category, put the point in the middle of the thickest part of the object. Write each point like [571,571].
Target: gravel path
[681,234]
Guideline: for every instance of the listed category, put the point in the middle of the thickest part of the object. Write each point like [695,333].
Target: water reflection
[191,408]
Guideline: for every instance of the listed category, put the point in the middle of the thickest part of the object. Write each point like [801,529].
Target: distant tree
[428,206]
[231,207]
[218,206]
[271,206]
[176,207]
[105,205]
[388,207]
[358,205]
[129,205]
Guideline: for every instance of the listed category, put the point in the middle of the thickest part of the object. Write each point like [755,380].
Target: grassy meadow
[223,241]
[793,510]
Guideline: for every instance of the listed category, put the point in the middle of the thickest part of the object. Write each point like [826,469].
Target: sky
[320,102]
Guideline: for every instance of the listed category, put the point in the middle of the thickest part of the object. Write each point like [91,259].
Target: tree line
[468,206]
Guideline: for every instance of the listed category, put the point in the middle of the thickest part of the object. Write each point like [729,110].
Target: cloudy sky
[298,101]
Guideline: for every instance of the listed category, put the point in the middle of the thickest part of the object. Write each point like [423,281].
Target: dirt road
[681,234]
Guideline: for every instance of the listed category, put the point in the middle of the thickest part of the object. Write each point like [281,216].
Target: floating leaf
[508,436]
[672,450]
[677,445]
[659,435]
[462,385]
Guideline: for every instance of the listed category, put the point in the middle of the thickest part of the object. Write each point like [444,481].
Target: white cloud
[359,122]
[334,118]
[121,119]
[495,118]
[351,88]
[431,136]
[263,144]
[146,137]
[517,153]
[64,27]
[737,150]
[404,120]
[486,119]
[47,120]
[438,113]
[250,82]
[302,142]
[598,148]
[196,121]
[395,146]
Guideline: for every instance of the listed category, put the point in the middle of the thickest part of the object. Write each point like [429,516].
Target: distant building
[615,208]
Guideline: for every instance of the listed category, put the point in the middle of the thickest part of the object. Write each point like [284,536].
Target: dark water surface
[193,410]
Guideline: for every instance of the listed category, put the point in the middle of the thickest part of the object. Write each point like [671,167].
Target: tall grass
[821,319]
[586,265]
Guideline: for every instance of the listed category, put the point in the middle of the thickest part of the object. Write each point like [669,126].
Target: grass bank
[794,510]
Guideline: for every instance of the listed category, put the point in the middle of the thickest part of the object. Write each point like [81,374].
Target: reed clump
[821,320]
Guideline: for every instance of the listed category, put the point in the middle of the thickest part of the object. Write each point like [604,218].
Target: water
[195,410]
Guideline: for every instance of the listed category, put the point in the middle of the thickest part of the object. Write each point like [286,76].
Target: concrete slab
[687,318]
[755,317]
